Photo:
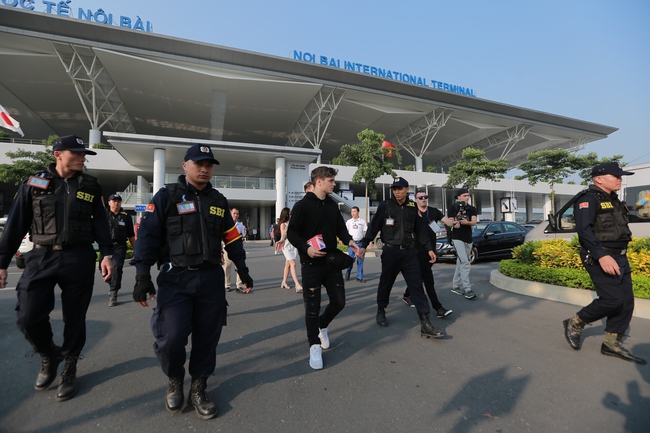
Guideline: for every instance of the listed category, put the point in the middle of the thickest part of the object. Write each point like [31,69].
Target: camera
[462,211]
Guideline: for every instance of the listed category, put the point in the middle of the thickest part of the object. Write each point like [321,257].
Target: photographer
[460,219]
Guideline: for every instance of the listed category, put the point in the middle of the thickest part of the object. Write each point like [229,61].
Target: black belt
[617,251]
[190,268]
[119,242]
[401,247]
[57,247]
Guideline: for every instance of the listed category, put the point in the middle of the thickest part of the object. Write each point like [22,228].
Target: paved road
[504,367]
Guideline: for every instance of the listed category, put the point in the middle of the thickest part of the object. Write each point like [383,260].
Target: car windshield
[479,227]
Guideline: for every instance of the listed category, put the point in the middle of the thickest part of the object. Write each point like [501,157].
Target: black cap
[200,152]
[115,197]
[420,189]
[462,191]
[72,143]
[609,168]
[399,182]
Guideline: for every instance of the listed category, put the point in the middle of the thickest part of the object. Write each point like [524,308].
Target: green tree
[550,166]
[474,167]
[591,160]
[370,158]
[26,163]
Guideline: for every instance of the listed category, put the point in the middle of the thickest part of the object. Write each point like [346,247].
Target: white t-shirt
[356,228]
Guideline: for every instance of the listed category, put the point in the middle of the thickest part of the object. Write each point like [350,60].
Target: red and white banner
[6,121]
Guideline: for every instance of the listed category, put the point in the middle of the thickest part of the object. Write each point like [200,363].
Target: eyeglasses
[423,197]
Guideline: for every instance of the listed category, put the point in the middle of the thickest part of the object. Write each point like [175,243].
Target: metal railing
[266,183]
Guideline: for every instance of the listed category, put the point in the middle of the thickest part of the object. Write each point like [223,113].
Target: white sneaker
[324,338]
[316,357]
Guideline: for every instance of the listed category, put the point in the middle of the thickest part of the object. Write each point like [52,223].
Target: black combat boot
[51,359]
[175,398]
[112,298]
[203,406]
[573,331]
[427,330]
[68,385]
[613,346]
[381,317]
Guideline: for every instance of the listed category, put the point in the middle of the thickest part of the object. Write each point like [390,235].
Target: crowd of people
[194,237]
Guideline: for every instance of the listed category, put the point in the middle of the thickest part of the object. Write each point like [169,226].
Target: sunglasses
[422,197]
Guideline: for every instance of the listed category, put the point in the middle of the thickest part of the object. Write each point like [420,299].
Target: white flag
[6,121]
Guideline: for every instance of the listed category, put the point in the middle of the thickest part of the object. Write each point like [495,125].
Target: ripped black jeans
[316,274]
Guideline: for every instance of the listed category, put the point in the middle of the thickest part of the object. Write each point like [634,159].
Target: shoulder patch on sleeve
[584,205]
[150,207]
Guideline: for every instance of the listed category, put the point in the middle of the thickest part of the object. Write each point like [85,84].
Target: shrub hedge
[557,262]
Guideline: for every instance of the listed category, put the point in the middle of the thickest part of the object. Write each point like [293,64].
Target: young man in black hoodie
[315,224]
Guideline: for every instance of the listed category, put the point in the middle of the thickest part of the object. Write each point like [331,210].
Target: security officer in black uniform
[401,229]
[121,226]
[63,208]
[602,226]
[182,230]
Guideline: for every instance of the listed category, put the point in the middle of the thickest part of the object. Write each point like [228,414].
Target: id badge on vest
[185,207]
[390,222]
[38,182]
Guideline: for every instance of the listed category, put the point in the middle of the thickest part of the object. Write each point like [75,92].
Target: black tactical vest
[195,238]
[63,212]
[402,230]
[612,219]
[118,231]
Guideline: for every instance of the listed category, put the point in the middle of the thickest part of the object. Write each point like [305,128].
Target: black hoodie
[312,216]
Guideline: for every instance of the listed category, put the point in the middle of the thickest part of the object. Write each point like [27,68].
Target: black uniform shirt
[379,218]
[120,222]
[21,216]
[584,210]
[152,245]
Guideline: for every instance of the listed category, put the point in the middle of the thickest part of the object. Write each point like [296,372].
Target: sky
[583,59]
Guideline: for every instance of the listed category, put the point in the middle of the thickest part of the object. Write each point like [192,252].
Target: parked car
[26,245]
[489,239]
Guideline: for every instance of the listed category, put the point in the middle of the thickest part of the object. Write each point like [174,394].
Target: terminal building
[142,98]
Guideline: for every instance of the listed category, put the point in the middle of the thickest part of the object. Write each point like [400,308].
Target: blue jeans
[359,263]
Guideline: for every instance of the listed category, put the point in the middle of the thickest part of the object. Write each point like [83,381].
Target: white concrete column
[94,137]
[158,169]
[418,163]
[280,185]
[546,200]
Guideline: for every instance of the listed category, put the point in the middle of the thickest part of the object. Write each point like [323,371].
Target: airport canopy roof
[65,76]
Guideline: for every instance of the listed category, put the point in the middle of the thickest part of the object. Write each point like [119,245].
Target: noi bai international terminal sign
[390,74]
[64,8]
